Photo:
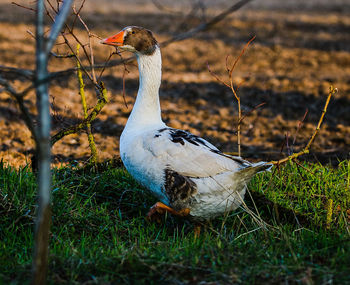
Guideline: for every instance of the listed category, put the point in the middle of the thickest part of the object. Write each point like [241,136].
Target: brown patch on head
[141,39]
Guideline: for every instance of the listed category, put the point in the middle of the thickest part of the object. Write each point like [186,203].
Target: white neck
[146,110]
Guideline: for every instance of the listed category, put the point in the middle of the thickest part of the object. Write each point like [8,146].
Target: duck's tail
[246,173]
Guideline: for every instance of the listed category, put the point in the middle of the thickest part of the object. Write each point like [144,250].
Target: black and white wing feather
[190,155]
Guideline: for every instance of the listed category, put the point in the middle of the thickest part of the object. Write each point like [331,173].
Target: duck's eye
[133,32]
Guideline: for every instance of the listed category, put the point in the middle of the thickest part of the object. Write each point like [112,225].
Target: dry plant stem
[238,98]
[252,110]
[105,65]
[92,145]
[238,58]
[205,26]
[239,118]
[188,34]
[22,6]
[231,86]
[68,55]
[180,37]
[66,41]
[300,123]
[71,32]
[332,91]
[125,72]
[92,116]
[329,213]
[217,77]
[76,14]
[92,61]
[162,8]
[19,72]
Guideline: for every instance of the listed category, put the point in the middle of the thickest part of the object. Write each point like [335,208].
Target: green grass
[307,189]
[99,233]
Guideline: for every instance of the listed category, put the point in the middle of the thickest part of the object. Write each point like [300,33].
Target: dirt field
[298,52]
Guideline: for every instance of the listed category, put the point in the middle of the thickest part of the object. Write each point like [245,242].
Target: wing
[190,155]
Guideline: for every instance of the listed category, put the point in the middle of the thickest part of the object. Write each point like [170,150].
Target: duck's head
[134,39]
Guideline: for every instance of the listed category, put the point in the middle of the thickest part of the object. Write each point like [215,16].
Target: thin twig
[66,41]
[300,123]
[57,25]
[200,28]
[251,111]
[286,136]
[68,55]
[92,116]
[217,77]
[25,7]
[104,67]
[26,73]
[92,145]
[231,86]
[206,26]
[237,96]
[332,91]
[125,72]
[90,45]
[162,8]
[70,31]
[76,14]
[240,55]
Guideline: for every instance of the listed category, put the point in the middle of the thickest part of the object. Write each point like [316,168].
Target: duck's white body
[182,170]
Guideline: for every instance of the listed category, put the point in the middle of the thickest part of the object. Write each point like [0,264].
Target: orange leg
[159,209]
[197,230]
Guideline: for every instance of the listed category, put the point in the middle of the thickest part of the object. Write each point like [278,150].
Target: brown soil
[299,51]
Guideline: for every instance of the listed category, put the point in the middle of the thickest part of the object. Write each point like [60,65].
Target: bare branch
[332,91]
[300,123]
[125,72]
[162,8]
[68,55]
[251,111]
[217,77]
[105,65]
[8,87]
[240,55]
[94,156]
[76,14]
[26,73]
[202,27]
[92,61]
[22,6]
[207,25]
[82,125]
[58,24]
[66,41]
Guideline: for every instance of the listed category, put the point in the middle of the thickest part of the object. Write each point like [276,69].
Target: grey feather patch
[180,189]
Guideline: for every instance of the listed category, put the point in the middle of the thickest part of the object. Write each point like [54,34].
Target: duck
[189,176]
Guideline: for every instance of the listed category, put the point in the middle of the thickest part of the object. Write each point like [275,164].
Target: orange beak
[116,40]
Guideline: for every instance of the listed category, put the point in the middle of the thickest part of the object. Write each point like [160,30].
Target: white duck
[189,175]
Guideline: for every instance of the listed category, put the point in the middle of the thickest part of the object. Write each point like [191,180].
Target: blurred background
[301,48]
